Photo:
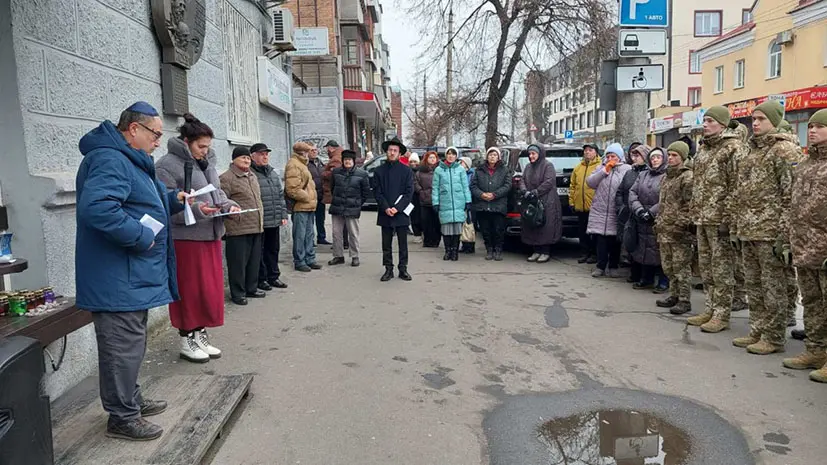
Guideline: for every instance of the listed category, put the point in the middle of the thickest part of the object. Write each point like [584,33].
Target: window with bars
[242,44]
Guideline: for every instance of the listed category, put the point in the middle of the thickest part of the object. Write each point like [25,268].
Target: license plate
[562,191]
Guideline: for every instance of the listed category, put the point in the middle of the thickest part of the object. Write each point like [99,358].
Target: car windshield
[371,166]
[563,160]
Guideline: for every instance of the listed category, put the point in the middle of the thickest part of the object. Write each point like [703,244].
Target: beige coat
[299,186]
[242,187]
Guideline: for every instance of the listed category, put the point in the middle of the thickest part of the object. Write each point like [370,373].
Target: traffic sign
[641,42]
[644,13]
[568,135]
[639,78]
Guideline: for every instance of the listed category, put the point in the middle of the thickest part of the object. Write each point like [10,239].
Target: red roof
[746,27]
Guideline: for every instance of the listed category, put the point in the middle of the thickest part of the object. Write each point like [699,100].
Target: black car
[370,167]
[564,158]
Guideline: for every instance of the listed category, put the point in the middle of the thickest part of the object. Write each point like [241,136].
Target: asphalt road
[466,362]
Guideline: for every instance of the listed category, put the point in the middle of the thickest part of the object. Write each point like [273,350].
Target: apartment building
[779,52]
[342,92]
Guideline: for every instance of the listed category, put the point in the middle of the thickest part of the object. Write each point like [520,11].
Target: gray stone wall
[73,64]
[318,113]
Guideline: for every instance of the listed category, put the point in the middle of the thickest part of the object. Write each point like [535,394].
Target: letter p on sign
[633,7]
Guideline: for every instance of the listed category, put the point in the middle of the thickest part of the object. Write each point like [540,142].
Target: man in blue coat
[122,267]
[393,189]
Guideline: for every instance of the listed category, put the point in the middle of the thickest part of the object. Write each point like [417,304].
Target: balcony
[355,78]
[351,12]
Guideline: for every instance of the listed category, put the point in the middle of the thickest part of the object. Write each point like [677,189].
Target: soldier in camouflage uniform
[739,292]
[764,180]
[713,184]
[789,271]
[807,232]
[674,229]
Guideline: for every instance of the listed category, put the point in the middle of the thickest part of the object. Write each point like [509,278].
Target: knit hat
[719,114]
[785,126]
[616,149]
[348,154]
[679,147]
[495,150]
[819,117]
[413,158]
[773,110]
[467,161]
[534,148]
[241,151]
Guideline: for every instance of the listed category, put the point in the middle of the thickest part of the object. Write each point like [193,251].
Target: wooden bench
[49,327]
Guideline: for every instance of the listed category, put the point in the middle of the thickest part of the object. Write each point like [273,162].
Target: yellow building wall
[802,63]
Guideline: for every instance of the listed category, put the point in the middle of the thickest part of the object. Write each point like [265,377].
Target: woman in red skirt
[198,246]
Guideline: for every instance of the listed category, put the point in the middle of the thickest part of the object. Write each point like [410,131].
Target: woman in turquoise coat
[451,199]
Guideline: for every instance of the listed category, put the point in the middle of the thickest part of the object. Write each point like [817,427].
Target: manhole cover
[610,426]
[614,437]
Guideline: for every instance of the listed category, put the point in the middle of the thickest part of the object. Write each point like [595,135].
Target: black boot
[489,253]
[403,274]
[498,254]
[798,334]
[388,274]
[448,244]
[455,248]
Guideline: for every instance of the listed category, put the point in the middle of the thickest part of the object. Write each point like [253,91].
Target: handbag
[533,212]
[469,234]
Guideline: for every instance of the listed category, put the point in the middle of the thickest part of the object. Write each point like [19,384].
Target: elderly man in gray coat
[275,216]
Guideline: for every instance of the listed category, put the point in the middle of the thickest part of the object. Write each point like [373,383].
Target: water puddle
[614,437]
[556,315]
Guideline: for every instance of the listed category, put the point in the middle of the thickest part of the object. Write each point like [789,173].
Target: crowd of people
[750,209]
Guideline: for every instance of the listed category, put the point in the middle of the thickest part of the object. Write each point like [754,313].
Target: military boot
[668,302]
[819,376]
[681,307]
[763,347]
[715,325]
[739,306]
[698,320]
[744,342]
[806,360]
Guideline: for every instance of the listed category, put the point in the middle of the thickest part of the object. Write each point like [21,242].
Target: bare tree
[431,119]
[495,37]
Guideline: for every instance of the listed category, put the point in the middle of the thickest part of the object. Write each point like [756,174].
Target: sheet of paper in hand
[235,213]
[189,218]
[153,224]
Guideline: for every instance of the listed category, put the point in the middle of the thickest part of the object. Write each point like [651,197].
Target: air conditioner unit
[283,29]
[785,37]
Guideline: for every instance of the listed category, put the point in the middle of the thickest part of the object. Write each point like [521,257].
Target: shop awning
[362,104]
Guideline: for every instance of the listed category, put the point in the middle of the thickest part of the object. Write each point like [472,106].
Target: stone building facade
[69,64]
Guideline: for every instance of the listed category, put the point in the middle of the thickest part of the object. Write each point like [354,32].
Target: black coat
[499,184]
[622,197]
[272,195]
[316,168]
[390,181]
[350,188]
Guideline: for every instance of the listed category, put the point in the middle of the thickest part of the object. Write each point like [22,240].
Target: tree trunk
[492,125]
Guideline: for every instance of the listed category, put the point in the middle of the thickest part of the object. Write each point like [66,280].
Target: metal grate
[278,26]
[242,43]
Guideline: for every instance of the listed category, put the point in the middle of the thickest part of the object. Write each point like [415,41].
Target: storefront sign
[311,41]
[658,125]
[802,99]
[693,119]
[274,86]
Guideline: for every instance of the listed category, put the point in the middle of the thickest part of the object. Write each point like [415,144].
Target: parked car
[370,167]
[564,158]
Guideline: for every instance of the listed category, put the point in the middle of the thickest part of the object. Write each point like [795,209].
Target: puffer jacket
[327,175]
[299,185]
[624,212]
[272,195]
[807,226]
[498,183]
[603,214]
[580,194]
[714,179]
[242,188]
[645,195]
[450,192]
[316,168]
[423,185]
[763,177]
[673,221]
[350,188]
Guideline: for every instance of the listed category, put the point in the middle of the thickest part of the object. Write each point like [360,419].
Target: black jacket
[499,184]
[272,195]
[622,197]
[350,189]
[390,181]
[316,168]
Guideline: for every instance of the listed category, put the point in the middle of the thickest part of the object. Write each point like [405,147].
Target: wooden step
[199,406]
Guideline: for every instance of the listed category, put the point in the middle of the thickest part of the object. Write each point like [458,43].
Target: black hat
[594,146]
[395,141]
[348,154]
[259,148]
[331,143]
[241,151]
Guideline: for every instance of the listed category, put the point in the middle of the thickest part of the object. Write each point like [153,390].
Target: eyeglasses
[157,134]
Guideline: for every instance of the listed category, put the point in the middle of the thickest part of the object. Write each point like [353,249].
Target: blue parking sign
[644,13]
[568,134]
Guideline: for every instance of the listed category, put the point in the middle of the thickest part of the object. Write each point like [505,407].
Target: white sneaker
[533,257]
[543,258]
[190,350]
[417,239]
[203,341]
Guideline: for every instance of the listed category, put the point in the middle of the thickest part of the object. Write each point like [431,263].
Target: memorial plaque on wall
[174,89]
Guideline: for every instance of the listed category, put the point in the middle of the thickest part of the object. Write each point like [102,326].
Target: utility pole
[514,115]
[449,137]
[631,118]
[425,96]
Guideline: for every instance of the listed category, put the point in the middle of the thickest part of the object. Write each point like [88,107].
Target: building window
[351,52]
[610,117]
[581,120]
[556,127]
[601,117]
[242,44]
[694,96]
[740,68]
[590,119]
[719,79]
[708,23]
[774,61]
[694,62]
[746,16]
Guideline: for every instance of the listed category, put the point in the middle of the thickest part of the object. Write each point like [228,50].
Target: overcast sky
[401,38]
